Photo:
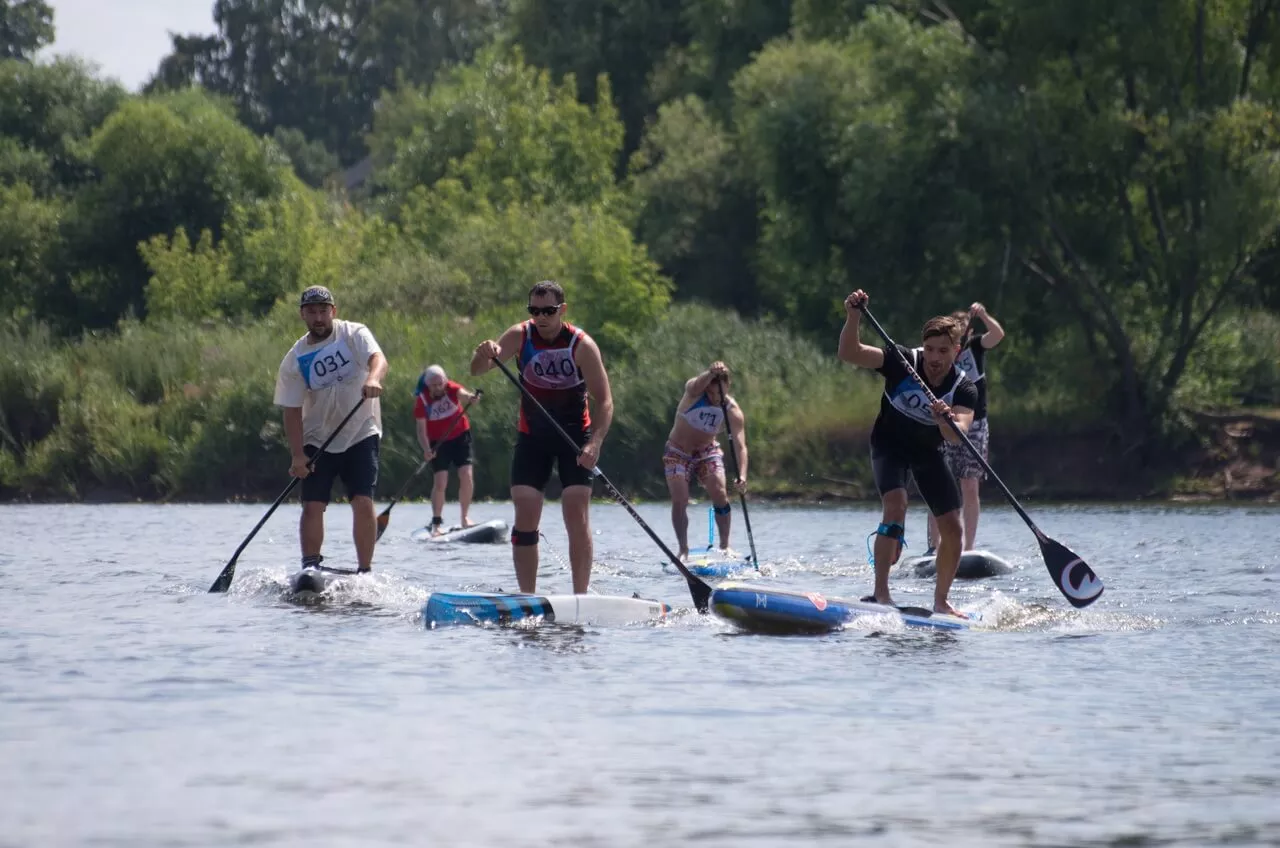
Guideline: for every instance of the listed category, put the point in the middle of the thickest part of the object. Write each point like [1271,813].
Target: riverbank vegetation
[705,184]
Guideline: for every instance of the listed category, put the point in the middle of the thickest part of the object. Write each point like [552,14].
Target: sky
[129,41]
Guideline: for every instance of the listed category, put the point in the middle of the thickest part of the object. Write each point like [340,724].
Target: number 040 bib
[327,366]
[552,369]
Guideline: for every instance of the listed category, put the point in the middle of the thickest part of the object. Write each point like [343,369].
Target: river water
[138,710]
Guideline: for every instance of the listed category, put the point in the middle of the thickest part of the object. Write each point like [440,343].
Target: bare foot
[437,530]
[872,599]
[683,555]
[947,609]
[467,522]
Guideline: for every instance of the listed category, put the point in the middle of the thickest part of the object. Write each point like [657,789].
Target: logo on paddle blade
[819,602]
[1079,583]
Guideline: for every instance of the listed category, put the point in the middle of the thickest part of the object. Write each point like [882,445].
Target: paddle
[1071,574]
[384,517]
[700,590]
[733,459]
[223,583]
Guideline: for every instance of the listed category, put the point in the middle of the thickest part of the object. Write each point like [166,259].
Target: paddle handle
[964,438]
[700,590]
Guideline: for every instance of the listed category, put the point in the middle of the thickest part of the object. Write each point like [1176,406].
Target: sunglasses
[548,311]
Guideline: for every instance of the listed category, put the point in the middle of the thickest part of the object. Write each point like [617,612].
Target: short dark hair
[942,325]
[546,287]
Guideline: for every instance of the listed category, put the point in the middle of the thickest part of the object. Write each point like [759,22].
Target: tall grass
[185,411]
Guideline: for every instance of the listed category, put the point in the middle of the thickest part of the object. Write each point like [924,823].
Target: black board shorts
[357,467]
[536,454]
[454,453]
[893,467]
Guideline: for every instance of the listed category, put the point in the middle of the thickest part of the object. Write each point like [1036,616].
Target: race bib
[552,369]
[968,363]
[909,399]
[705,418]
[441,409]
[328,366]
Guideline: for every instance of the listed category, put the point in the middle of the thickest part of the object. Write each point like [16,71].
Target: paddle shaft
[973,450]
[223,582]
[700,590]
[737,473]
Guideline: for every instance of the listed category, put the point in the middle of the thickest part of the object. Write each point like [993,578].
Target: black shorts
[454,453]
[536,454]
[893,467]
[357,467]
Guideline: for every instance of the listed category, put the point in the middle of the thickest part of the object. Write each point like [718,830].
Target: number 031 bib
[327,366]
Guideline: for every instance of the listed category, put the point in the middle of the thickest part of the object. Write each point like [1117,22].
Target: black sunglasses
[548,311]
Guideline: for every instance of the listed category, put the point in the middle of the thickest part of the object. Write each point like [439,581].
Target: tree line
[1103,175]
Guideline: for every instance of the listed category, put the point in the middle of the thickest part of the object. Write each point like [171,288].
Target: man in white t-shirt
[323,377]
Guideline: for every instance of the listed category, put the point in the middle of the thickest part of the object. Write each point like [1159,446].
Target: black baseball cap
[316,294]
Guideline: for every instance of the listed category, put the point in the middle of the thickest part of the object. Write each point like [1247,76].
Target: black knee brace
[524,538]
[723,510]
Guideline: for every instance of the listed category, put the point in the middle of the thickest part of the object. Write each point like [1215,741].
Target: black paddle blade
[701,592]
[1073,576]
[384,518]
[223,583]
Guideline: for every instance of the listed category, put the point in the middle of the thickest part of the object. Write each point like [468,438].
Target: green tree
[503,132]
[49,110]
[696,208]
[1143,150]
[163,164]
[312,161]
[25,27]
[866,169]
[29,243]
[319,68]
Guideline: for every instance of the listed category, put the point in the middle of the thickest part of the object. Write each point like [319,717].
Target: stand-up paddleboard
[713,563]
[486,533]
[313,581]
[764,609]
[444,609]
[309,580]
[974,565]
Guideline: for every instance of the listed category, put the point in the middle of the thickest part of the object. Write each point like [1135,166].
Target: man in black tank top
[906,437]
[969,472]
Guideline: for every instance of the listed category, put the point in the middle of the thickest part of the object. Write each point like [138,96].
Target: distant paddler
[693,449]
[559,365]
[440,417]
[321,378]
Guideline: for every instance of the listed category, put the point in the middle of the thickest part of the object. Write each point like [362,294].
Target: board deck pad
[444,609]
[713,563]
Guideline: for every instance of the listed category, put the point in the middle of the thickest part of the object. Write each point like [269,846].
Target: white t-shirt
[326,380]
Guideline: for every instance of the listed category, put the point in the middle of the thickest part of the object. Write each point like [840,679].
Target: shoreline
[1229,458]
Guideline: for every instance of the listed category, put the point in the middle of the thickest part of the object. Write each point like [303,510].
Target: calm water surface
[135,709]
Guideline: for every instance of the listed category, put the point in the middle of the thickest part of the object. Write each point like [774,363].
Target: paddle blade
[223,583]
[1073,576]
[700,591]
[384,518]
